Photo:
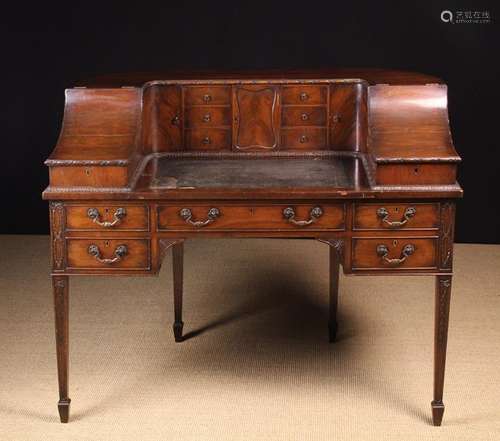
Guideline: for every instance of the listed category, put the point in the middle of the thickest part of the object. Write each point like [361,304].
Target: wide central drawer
[251,217]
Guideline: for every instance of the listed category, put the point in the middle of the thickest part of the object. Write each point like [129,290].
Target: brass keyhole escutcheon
[394,243]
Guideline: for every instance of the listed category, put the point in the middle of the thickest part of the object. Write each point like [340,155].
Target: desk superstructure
[361,160]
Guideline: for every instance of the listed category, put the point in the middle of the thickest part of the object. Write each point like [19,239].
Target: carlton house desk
[362,160]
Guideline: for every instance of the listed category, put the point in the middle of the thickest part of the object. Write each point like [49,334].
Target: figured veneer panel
[137,256]
[304,95]
[135,218]
[162,119]
[365,256]
[249,217]
[207,95]
[304,138]
[344,112]
[366,217]
[257,117]
[304,116]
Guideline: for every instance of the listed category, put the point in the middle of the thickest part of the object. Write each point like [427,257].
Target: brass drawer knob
[383,214]
[93,213]
[303,139]
[383,252]
[207,98]
[206,140]
[314,215]
[120,252]
[304,117]
[304,96]
[207,117]
[176,120]
[186,214]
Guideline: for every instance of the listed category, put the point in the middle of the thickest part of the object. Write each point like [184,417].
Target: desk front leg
[442,310]
[60,286]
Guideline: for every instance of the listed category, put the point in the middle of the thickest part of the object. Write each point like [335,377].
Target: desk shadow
[288,319]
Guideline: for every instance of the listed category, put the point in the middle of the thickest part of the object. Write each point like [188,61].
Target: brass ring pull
[206,140]
[187,215]
[175,120]
[304,117]
[383,214]
[120,252]
[304,96]
[303,139]
[207,117]
[314,215]
[93,213]
[207,98]
[383,251]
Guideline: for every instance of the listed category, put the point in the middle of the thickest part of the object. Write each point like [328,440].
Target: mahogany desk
[360,160]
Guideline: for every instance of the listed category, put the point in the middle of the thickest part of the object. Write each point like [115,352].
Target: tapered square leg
[178,262]
[60,286]
[334,292]
[442,311]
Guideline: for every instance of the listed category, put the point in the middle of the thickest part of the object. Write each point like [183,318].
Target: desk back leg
[178,262]
[60,285]
[334,292]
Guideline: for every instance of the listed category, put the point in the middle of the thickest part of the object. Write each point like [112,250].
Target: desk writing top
[327,133]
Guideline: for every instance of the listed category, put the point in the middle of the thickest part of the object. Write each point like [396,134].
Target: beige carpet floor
[258,365]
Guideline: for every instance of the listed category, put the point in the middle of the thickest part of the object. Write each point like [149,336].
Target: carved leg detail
[178,257]
[60,286]
[334,292]
[442,310]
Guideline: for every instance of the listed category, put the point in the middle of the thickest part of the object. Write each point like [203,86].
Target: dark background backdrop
[46,48]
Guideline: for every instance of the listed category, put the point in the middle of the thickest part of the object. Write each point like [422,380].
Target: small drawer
[304,116]
[304,138]
[396,216]
[122,217]
[108,254]
[255,217]
[207,95]
[394,253]
[207,116]
[208,139]
[304,95]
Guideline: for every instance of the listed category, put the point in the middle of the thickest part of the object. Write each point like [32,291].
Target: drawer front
[208,139]
[207,95]
[394,253]
[304,116]
[208,116]
[396,216]
[304,138]
[304,95]
[256,217]
[108,254]
[107,217]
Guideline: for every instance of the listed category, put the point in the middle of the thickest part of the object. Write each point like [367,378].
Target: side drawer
[254,217]
[304,95]
[108,254]
[304,116]
[107,217]
[398,216]
[394,253]
[207,95]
